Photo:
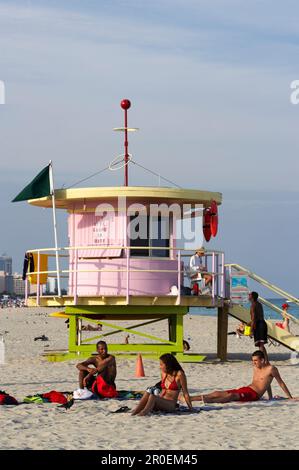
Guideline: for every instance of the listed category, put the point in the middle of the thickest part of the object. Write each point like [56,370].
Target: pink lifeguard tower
[115,276]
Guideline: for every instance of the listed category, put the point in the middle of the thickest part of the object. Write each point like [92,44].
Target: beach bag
[55,397]
[82,394]
[102,389]
[195,289]
[6,399]
[34,399]
[247,330]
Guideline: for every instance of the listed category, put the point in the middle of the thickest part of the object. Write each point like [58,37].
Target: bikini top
[172,386]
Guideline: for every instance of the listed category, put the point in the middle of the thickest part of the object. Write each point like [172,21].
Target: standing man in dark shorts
[258,324]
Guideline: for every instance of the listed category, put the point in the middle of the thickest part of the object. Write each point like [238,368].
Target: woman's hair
[171,364]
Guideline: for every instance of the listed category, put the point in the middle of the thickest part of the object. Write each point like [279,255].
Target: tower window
[151,232]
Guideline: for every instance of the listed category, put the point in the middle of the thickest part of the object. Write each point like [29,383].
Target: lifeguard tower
[126,263]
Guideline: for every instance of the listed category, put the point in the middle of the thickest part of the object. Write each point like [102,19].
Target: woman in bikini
[173,381]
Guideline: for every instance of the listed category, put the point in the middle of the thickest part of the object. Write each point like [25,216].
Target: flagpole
[55,226]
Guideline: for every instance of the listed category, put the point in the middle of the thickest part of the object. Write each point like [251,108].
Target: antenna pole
[126,104]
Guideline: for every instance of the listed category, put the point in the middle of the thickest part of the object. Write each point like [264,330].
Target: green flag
[39,187]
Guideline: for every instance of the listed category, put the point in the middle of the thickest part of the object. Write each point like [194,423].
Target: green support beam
[107,314]
[131,311]
[130,330]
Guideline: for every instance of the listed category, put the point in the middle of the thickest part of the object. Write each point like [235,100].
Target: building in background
[6,268]
[18,285]
[2,282]
[6,264]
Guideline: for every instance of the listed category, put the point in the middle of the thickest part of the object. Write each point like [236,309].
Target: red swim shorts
[245,394]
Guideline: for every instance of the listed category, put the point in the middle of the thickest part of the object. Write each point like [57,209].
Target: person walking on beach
[258,324]
[263,374]
[100,369]
[285,325]
[173,380]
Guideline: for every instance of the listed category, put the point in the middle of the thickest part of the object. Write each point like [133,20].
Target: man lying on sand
[91,328]
[263,374]
[103,365]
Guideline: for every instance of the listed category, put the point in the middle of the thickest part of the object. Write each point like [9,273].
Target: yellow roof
[64,198]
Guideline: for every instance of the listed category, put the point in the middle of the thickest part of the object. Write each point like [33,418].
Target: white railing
[255,277]
[214,258]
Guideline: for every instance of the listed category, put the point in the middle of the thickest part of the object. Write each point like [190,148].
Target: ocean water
[268,312]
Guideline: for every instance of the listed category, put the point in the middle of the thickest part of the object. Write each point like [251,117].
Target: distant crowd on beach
[12,302]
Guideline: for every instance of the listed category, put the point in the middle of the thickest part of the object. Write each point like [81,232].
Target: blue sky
[209,83]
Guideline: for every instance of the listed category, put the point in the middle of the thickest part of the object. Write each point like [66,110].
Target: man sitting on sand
[98,373]
[263,374]
[91,328]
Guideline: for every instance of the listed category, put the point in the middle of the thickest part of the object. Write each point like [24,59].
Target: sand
[92,425]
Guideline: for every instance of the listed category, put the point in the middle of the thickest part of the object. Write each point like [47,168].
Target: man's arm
[252,323]
[185,390]
[280,382]
[192,266]
[269,391]
[85,365]
[202,267]
[98,367]
[105,363]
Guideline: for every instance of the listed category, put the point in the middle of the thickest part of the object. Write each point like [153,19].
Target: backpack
[6,399]
[55,397]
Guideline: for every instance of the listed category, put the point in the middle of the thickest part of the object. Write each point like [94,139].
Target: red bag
[6,399]
[195,289]
[55,397]
[102,389]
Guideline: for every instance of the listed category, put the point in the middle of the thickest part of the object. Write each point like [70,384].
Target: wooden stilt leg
[222,333]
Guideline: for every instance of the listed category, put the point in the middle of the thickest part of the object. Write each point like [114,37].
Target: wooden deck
[168,300]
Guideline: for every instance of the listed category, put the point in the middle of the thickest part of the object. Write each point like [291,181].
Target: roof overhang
[64,198]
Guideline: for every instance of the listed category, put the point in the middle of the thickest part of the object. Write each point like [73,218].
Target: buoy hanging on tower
[214,218]
[207,224]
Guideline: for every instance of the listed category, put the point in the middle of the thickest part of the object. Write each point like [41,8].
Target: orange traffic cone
[139,367]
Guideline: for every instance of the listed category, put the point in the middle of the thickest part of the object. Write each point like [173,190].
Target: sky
[209,83]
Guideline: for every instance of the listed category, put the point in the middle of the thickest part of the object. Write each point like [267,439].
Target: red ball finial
[125,104]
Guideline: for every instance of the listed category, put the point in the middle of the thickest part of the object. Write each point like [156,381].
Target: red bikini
[172,386]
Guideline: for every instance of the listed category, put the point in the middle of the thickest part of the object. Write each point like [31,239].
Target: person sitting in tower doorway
[198,267]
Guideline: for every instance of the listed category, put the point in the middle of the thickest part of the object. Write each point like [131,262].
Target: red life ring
[214,218]
[207,224]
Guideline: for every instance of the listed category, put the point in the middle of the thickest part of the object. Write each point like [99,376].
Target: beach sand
[92,425]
